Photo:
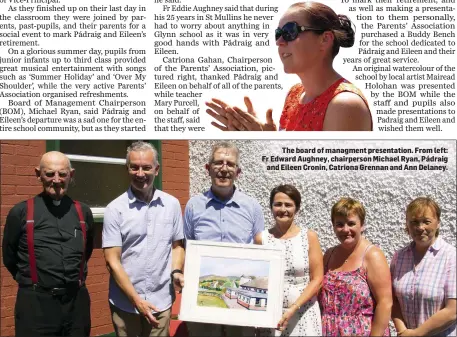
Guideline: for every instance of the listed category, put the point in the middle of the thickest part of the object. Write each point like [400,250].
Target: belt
[57,291]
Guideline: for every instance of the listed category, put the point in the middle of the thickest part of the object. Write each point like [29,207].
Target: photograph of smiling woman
[308,37]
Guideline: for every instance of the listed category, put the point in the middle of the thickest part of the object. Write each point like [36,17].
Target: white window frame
[98,212]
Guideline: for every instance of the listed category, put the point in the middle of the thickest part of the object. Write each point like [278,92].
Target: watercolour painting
[228,283]
[233,283]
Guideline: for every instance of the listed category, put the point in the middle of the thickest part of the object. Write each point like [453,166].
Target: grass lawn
[210,301]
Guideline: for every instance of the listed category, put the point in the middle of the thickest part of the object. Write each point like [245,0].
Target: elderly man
[223,214]
[46,245]
[143,247]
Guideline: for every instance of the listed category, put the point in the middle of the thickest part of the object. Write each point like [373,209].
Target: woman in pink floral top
[356,295]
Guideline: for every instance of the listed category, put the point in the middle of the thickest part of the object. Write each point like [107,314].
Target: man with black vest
[46,245]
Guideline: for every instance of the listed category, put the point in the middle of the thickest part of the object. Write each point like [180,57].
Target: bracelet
[298,307]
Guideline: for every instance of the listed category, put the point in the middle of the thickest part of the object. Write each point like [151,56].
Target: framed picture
[234,284]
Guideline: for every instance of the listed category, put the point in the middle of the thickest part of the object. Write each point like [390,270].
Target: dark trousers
[40,313]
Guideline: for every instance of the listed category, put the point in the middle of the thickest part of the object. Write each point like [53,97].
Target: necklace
[347,259]
[350,254]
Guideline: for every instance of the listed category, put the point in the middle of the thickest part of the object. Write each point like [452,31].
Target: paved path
[232,303]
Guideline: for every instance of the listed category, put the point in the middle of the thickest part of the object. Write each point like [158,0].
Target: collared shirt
[57,240]
[423,290]
[236,220]
[146,233]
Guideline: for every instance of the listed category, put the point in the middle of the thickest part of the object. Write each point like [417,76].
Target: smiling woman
[304,267]
[428,265]
[308,38]
[356,277]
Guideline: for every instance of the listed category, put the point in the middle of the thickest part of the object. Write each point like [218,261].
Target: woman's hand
[286,317]
[235,119]
[408,332]
[248,121]
[217,110]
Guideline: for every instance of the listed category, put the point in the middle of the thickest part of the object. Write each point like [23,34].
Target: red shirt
[310,116]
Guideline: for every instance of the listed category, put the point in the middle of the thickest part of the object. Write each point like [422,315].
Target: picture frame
[233,284]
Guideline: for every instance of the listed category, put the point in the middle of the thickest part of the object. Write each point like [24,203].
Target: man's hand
[178,282]
[145,308]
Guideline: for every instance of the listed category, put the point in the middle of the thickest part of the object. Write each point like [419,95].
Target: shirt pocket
[162,232]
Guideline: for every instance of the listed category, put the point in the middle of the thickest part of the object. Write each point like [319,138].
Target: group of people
[348,291]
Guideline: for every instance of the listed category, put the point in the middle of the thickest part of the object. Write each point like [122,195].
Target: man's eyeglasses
[290,31]
[218,164]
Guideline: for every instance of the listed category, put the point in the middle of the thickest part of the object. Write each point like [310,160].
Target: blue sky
[221,266]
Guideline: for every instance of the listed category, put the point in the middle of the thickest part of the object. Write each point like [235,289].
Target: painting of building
[253,294]
[231,292]
[244,279]
[221,285]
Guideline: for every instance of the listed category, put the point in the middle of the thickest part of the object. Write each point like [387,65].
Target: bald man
[46,245]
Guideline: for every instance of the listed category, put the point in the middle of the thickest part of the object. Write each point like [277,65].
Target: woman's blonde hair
[348,206]
[419,205]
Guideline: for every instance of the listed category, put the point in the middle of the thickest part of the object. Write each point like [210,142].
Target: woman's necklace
[350,254]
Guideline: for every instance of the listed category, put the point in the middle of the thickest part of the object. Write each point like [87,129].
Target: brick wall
[175,180]
[18,182]
[175,169]
[97,284]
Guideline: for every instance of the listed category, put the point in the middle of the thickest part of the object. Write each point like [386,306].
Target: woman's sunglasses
[290,31]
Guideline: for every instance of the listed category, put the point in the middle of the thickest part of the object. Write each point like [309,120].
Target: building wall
[242,303]
[18,182]
[175,169]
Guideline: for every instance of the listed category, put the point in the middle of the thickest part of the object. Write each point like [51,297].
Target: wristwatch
[176,271]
